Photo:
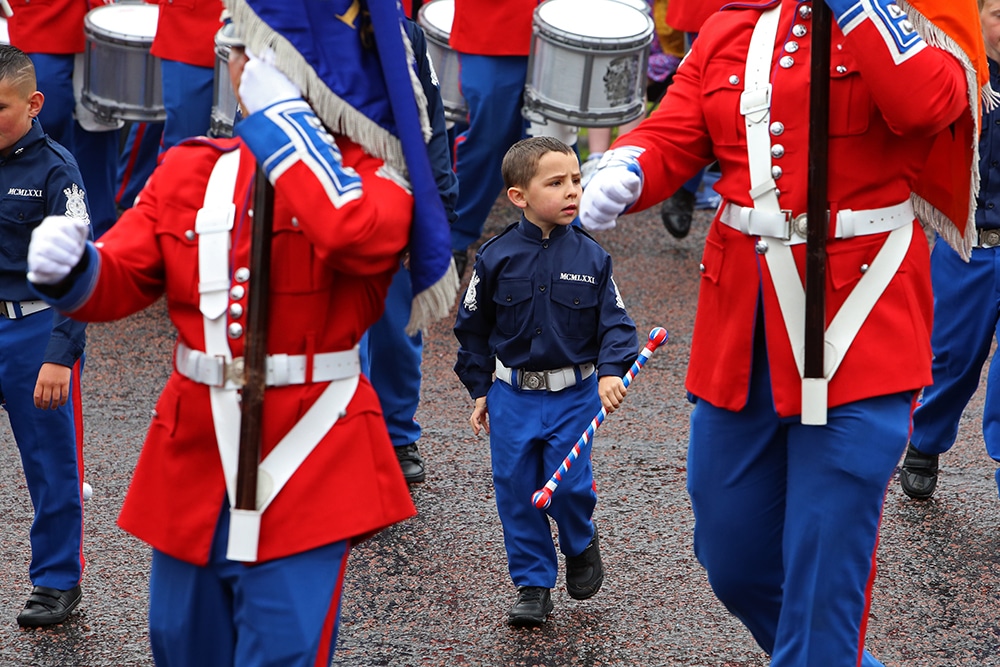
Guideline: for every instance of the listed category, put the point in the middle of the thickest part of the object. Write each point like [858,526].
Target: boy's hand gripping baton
[543,497]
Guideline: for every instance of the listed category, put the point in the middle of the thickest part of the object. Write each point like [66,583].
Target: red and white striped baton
[543,497]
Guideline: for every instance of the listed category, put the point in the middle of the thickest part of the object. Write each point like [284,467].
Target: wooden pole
[817,207]
[255,350]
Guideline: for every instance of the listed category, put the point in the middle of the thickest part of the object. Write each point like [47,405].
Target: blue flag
[355,66]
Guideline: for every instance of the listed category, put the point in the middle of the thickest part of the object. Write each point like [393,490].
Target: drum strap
[755,106]
[213,225]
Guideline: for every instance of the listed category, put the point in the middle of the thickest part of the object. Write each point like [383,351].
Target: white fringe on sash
[990,99]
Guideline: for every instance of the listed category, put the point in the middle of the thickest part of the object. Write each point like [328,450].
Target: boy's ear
[516,197]
[35,102]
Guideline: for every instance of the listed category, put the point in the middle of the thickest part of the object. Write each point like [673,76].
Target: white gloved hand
[614,187]
[56,247]
[262,84]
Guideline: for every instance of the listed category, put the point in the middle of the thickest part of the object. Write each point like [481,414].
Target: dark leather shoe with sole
[411,463]
[919,473]
[677,212]
[533,606]
[585,572]
[48,606]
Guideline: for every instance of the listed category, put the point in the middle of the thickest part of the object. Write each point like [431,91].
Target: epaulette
[490,241]
[580,229]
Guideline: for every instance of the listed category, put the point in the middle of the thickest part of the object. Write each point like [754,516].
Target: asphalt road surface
[434,590]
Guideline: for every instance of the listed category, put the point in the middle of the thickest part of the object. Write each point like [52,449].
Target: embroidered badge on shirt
[470,301]
[75,205]
[618,295]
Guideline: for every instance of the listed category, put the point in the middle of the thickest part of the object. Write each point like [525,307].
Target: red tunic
[490,28]
[883,120]
[330,271]
[689,15]
[185,31]
[54,27]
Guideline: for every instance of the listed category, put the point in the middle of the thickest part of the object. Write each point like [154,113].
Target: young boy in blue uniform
[543,314]
[39,349]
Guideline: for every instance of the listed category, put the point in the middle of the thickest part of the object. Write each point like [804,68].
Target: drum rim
[91,28]
[428,27]
[641,39]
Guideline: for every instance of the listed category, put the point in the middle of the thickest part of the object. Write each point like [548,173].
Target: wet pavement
[434,590]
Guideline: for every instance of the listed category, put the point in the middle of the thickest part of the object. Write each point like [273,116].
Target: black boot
[411,463]
[533,606]
[919,473]
[585,572]
[676,212]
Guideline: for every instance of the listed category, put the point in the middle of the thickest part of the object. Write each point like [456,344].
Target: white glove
[612,189]
[262,84]
[56,247]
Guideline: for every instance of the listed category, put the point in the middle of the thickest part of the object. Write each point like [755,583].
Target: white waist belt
[14,310]
[553,380]
[793,229]
[282,369]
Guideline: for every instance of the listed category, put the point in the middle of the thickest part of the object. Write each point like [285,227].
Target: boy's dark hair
[521,161]
[16,66]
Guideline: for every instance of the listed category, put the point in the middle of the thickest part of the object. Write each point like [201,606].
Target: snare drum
[4,33]
[435,18]
[587,65]
[121,79]
[224,101]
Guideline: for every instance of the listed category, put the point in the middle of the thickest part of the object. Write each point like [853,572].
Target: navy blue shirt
[38,178]
[988,201]
[540,304]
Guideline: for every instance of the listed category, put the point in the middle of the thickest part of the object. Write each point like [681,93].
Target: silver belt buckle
[233,372]
[799,225]
[531,380]
[989,238]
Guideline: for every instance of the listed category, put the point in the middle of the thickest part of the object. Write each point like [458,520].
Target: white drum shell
[587,80]
[436,18]
[4,33]
[121,79]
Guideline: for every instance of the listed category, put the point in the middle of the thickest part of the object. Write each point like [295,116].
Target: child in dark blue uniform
[543,315]
[39,349]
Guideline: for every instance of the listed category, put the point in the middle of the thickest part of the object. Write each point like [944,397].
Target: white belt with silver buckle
[282,369]
[552,380]
[793,229]
[15,310]
[987,238]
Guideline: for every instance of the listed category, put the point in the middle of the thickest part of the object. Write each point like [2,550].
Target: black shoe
[461,258]
[410,463]
[48,606]
[919,473]
[676,212]
[585,573]
[533,606]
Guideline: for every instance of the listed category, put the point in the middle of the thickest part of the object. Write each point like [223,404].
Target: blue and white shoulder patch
[893,24]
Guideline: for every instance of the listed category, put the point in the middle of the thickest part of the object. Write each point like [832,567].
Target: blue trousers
[493,87]
[391,360]
[95,152]
[187,100]
[787,518]
[966,320]
[531,432]
[281,613]
[51,453]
